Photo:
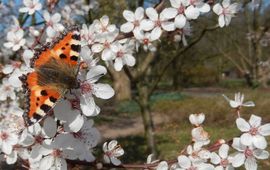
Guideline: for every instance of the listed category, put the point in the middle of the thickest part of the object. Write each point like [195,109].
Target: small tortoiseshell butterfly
[56,68]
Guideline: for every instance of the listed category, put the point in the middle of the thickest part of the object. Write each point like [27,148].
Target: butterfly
[55,72]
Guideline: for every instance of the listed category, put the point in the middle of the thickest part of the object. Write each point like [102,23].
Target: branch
[140,71]
[194,42]
[100,165]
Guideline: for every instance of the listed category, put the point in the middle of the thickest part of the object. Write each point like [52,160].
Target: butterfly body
[57,75]
[56,68]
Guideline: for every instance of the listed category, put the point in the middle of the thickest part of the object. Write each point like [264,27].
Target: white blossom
[178,11]
[134,20]
[7,90]
[196,119]
[111,152]
[195,8]
[182,33]
[239,101]
[157,22]
[88,34]
[104,42]
[254,132]
[23,153]
[200,136]
[89,87]
[163,165]
[27,56]
[186,164]
[52,22]
[197,154]
[31,6]
[222,159]
[7,140]
[55,153]
[103,25]
[123,55]
[146,39]
[67,111]
[247,155]
[225,12]
[15,40]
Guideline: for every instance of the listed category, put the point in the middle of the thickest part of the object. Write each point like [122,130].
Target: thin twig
[195,41]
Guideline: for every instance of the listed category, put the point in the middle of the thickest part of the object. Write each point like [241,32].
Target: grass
[133,107]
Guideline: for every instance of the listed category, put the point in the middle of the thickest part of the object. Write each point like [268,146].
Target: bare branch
[195,41]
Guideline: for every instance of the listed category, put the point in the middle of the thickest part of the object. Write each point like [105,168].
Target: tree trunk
[248,79]
[121,85]
[175,75]
[143,101]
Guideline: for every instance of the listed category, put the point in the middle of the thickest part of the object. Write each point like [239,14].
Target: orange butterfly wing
[41,98]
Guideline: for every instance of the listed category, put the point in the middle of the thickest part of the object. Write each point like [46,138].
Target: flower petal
[95,73]
[75,125]
[88,106]
[242,125]
[147,25]
[155,34]
[221,22]
[168,13]
[46,162]
[246,139]
[139,13]
[184,161]
[215,159]
[217,9]
[180,21]
[255,121]
[264,129]
[223,151]
[152,14]
[162,166]
[192,12]
[103,91]
[129,60]
[115,161]
[238,160]
[127,27]
[250,163]
[112,144]
[129,15]
[49,127]
[259,142]
[261,154]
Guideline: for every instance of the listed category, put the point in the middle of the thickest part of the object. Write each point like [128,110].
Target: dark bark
[143,101]
[248,79]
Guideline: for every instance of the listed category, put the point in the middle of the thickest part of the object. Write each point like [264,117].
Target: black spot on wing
[43,93]
[53,99]
[74,58]
[36,117]
[76,48]
[63,56]
[46,108]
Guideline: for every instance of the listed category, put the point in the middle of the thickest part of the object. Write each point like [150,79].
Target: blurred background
[188,73]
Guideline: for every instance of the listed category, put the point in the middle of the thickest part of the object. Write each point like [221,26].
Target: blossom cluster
[244,150]
[69,133]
